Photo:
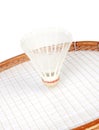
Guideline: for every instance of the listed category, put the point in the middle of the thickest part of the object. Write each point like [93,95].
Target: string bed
[26,104]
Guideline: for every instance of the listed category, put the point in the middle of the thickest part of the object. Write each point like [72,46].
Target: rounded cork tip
[51,83]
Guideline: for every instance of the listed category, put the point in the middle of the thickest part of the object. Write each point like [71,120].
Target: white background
[17,17]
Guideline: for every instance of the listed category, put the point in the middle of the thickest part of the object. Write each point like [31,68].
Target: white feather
[47,50]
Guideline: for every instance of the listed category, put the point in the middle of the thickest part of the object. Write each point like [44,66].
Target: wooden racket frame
[75,46]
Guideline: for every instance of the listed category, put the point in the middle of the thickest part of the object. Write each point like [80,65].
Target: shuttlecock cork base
[51,83]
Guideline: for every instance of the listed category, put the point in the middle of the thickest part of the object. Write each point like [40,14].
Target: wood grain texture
[76,46]
[94,125]
[85,45]
[13,61]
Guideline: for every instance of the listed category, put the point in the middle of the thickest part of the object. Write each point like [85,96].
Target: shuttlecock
[47,50]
